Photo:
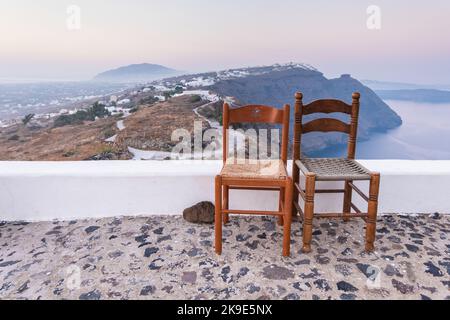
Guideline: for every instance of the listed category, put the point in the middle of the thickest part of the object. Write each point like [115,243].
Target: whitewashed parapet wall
[37,191]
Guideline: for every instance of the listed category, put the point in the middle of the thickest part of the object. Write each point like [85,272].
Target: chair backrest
[326,124]
[256,114]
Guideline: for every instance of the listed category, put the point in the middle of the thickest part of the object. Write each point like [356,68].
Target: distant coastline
[416,95]
[18,99]
[37,80]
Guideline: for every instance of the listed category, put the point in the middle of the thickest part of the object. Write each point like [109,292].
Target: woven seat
[254,169]
[334,169]
[345,170]
[252,174]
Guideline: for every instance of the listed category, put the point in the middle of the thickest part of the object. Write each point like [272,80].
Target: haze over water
[424,135]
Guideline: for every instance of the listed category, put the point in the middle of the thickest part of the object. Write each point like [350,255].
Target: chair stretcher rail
[358,191]
[270,213]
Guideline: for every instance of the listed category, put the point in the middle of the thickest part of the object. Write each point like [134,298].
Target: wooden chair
[346,170]
[265,175]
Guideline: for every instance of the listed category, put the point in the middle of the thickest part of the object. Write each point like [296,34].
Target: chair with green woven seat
[346,170]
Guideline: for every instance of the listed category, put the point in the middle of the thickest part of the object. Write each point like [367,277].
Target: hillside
[143,72]
[68,143]
[276,85]
[148,128]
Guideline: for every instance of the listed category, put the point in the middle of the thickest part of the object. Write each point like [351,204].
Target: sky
[42,40]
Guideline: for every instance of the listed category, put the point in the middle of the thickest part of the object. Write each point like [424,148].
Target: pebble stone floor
[164,257]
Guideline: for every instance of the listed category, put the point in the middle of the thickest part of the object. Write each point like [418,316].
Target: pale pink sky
[198,35]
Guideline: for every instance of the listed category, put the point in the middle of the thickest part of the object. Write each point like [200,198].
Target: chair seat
[254,169]
[332,169]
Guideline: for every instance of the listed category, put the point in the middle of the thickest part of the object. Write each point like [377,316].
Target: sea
[424,135]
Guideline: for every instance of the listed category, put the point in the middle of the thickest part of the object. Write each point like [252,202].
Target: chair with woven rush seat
[254,174]
[346,170]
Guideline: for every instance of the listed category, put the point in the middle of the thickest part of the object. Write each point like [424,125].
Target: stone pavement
[164,257]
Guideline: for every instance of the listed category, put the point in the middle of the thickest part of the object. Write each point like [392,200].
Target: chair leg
[226,197]
[281,199]
[347,200]
[309,211]
[295,194]
[218,215]
[287,218]
[372,211]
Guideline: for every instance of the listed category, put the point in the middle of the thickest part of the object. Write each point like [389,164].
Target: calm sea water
[424,135]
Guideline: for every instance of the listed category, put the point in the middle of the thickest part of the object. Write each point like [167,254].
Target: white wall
[65,190]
